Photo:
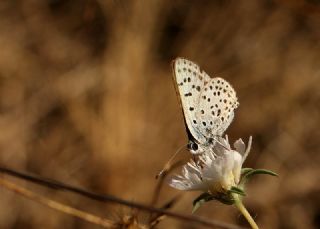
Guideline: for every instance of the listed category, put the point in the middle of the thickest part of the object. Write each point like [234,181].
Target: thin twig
[57,206]
[108,198]
[154,219]
[161,178]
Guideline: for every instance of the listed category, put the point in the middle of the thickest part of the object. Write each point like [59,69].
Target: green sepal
[247,173]
[225,198]
[237,190]
[204,197]
[244,171]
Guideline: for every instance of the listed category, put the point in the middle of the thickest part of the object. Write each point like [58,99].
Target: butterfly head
[196,148]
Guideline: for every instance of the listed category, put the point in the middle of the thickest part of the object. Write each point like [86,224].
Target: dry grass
[87,98]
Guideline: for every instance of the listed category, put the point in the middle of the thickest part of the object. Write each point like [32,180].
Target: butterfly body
[208,104]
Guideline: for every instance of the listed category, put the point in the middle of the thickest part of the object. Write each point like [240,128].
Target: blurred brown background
[87,98]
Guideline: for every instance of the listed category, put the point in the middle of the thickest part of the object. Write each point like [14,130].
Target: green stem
[244,211]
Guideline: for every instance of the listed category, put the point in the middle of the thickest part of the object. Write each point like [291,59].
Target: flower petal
[237,158]
[240,146]
[217,169]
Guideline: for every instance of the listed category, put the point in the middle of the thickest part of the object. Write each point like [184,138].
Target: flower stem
[244,211]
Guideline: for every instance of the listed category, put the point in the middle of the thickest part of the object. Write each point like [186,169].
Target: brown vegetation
[87,98]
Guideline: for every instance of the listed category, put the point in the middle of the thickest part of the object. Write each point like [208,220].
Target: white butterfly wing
[216,107]
[189,83]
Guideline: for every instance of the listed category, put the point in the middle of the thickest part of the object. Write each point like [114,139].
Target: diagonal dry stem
[108,198]
[57,206]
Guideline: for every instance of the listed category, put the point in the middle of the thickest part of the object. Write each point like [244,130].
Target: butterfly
[208,104]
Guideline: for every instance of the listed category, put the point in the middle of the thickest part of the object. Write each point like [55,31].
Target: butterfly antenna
[167,166]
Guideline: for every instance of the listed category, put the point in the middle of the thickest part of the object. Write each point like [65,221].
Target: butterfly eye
[193,146]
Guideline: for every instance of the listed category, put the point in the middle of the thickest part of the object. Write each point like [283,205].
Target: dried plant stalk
[57,206]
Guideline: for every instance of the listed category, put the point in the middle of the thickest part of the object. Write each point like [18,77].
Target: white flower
[216,170]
